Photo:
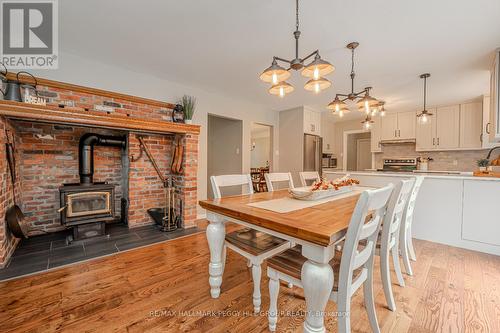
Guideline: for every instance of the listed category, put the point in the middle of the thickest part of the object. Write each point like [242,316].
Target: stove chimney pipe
[86,153]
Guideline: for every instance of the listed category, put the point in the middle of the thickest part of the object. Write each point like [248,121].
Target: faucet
[491,150]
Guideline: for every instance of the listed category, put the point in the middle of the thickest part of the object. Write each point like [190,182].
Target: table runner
[289,204]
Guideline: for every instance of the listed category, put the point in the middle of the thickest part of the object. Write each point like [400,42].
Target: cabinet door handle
[488,128]
[399,133]
[438,141]
[433,141]
[481,137]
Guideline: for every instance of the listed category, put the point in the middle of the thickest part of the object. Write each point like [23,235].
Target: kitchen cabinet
[375,137]
[479,221]
[426,133]
[398,126]
[494,127]
[486,130]
[406,125]
[312,122]
[471,124]
[442,132]
[327,133]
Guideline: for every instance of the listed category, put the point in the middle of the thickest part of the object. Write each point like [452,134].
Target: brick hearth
[47,157]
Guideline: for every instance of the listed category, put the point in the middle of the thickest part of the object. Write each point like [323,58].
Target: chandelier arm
[341,95]
[283,60]
[344,99]
[310,55]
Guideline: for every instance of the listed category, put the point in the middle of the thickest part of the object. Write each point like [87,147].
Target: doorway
[357,154]
[261,146]
[225,138]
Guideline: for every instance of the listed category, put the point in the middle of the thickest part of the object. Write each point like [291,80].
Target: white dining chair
[254,245]
[389,238]
[405,239]
[278,177]
[306,176]
[352,268]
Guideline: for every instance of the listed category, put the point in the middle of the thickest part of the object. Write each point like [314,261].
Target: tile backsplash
[463,160]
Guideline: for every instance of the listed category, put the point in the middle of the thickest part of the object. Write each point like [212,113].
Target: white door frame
[344,144]
[271,143]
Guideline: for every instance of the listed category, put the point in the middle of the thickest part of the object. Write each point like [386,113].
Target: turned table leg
[216,233]
[317,280]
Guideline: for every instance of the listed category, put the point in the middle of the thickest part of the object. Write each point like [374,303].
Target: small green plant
[483,163]
[188,104]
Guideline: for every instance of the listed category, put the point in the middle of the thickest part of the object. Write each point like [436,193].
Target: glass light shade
[367,123]
[317,68]
[281,89]
[317,85]
[382,109]
[275,74]
[424,117]
[337,105]
[367,103]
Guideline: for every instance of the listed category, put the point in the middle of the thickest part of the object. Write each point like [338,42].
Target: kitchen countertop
[463,175]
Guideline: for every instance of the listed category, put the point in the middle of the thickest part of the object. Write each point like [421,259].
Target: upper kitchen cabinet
[494,126]
[376,133]
[312,122]
[471,123]
[448,127]
[426,133]
[398,126]
[327,132]
[454,127]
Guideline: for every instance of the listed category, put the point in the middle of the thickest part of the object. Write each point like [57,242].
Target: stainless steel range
[403,164]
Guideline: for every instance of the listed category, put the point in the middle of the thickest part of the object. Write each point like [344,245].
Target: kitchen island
[457,209]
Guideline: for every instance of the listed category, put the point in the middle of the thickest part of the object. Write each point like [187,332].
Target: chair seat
[290,263]
[253,241]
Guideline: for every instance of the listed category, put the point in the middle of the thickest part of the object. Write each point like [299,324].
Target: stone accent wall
[443,160]
[7,241]
[48,157]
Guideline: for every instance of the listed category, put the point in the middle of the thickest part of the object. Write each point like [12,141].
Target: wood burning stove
[87,206]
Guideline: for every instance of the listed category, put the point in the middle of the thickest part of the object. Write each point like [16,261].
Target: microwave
[329,161]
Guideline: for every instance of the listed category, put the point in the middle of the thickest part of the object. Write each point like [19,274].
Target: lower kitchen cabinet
[481,223]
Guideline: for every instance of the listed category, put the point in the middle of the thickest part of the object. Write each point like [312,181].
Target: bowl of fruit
[324,188]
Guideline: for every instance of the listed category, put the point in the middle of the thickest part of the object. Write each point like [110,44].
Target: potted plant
[483,164]
[188,104]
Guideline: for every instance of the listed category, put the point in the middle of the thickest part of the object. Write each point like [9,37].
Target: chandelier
[366,103]
[424,116]
[277,75]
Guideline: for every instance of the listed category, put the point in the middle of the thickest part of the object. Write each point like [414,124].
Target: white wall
[77,70]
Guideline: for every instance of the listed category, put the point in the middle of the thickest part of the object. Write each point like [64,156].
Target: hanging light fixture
[338,107]
[424,117]
[368,122]
[277,75]
[382,108]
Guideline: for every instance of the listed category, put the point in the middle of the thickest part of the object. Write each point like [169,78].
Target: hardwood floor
[164,288]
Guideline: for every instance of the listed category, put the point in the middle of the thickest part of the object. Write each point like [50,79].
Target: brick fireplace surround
[47,157]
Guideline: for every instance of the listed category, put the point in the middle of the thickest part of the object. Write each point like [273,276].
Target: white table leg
[216,233]
[317,280]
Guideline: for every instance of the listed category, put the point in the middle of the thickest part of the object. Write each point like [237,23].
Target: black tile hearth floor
[40,253]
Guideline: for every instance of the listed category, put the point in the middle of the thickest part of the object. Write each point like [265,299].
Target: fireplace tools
[167,217]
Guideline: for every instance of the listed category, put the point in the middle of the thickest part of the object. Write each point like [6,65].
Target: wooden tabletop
[321,224]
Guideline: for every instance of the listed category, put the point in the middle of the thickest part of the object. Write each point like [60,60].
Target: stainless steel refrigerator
[313,153]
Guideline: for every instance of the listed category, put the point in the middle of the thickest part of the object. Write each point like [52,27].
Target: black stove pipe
[86,153]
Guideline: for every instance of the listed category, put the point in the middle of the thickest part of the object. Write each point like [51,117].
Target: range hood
[398,141]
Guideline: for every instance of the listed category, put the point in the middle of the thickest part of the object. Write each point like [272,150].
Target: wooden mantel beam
[65,116]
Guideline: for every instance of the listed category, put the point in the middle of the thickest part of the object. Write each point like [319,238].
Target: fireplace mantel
[73,116]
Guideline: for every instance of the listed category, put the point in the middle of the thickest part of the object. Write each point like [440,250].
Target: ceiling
[222,46]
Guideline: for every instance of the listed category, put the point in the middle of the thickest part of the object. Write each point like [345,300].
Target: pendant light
[367,123]
[338,107]
[277,75]
[424,117]
[364,101]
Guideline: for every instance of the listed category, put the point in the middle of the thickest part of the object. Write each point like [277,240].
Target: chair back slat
[306,176]
[395,210]
[355,255]
[275,177]
[230,180]
[410,207]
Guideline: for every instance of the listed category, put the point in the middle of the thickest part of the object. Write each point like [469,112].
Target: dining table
[315,225]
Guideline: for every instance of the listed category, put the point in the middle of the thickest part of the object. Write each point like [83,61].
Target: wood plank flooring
[164,288]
